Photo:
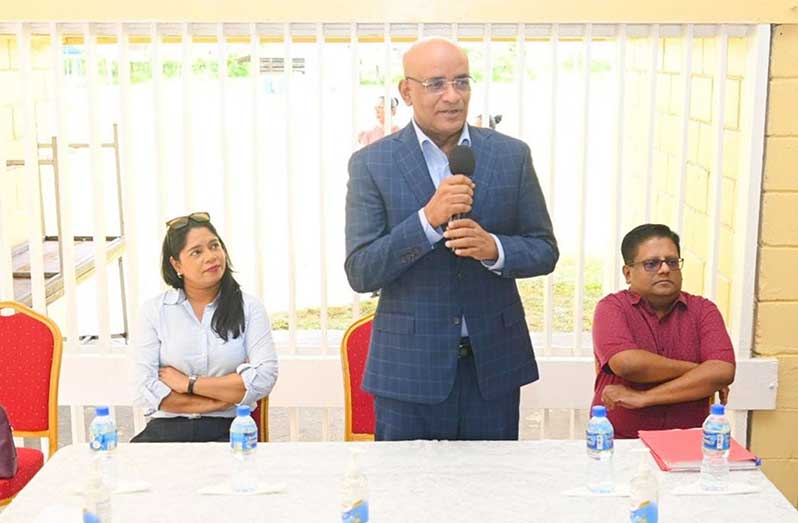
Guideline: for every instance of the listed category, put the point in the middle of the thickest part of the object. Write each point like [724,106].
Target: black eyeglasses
[438,85]
[652,265]
[181,221]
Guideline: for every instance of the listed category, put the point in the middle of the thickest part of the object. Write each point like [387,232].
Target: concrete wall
[773,433]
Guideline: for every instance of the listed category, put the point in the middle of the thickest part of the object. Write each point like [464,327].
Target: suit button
[456,320]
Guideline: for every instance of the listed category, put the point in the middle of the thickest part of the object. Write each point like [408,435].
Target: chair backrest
[261,417]
[359,403]
[30,366]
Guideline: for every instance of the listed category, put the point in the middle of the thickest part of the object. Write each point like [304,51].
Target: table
[425,481]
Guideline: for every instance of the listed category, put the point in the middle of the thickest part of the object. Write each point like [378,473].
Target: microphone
[461,161]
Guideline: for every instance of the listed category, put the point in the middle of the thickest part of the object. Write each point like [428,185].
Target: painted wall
[773,433]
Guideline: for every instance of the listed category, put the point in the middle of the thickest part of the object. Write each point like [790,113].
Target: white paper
[694,489]
[621,491]
[225,489]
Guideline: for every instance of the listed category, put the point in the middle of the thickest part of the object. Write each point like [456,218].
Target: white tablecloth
[409,482]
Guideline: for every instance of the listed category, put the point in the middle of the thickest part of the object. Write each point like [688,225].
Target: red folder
[680,450]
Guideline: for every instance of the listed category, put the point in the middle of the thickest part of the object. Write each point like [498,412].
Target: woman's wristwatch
[191,381]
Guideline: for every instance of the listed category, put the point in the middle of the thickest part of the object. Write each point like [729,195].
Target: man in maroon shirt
[661,353]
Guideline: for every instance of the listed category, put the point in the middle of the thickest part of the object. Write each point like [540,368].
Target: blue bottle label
[716,441]
[599,441]
[647,512]
[103,440]
[244,440]
[357,514]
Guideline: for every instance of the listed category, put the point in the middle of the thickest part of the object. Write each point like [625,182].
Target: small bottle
[354,493]
[103,440]
[600,447]
[97,501]
[715,447]
[644,495]
[243,444]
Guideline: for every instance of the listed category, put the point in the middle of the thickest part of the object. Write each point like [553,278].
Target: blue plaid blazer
[425,289]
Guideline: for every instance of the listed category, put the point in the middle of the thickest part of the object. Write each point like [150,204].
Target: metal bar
[128,195]
[158,128]
[258,175]
[289,184]
[687,82]
[323,313]
[753,116]
[579,288]
[59,230]
[548,294]
[355,77]
[35,232]
[488,75]
[6,263]
[386,83]
[613,276]
[716,199]
[98,189]
[66,240]
[520,66]
[229,194]
[652,122]
[188,135]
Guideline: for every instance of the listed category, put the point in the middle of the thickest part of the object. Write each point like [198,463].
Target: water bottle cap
[243,410]
[718,409]
[102,410]
[600,411]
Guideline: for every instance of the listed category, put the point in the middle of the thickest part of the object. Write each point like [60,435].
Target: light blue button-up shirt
[169,334]
[438,167]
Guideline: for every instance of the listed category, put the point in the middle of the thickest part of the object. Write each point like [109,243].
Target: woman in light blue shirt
[202,346]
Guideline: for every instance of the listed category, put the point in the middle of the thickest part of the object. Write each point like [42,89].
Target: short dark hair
[228,319]
[641,233]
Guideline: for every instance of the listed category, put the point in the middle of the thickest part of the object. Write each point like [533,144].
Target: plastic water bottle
[97,497]
[354,493]
[103,440]
[717,439]
[600,436]
[644,494]
[243,444]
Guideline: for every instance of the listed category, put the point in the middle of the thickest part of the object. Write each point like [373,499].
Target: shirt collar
[465,137]
[636,299]
[174,297]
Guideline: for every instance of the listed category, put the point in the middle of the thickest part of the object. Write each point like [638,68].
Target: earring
[179,275]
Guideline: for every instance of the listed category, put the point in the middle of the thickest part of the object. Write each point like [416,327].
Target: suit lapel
[481,143]
[410,160]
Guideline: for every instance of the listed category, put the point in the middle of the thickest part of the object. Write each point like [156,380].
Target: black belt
[464,348]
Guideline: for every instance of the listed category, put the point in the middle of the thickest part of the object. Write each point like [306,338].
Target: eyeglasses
[438,85]
[653,265]
[181,221]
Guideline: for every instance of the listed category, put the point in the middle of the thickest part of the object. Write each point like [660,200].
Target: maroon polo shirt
[692,330]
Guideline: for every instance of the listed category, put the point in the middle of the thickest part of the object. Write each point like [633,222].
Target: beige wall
[773,434]
[513,11]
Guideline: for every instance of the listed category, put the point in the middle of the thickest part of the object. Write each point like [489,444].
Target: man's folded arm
[642,366]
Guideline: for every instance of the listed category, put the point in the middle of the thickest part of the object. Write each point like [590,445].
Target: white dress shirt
[169,334]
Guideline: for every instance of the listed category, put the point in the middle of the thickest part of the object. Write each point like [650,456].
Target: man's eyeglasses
[653,265]
[438,85]
[181,221]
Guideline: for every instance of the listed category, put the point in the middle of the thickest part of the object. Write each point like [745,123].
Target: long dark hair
[228,319]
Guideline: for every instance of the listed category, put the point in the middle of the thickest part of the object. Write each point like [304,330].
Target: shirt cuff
[152,397]
[433,235]
[497,265]
[249,375]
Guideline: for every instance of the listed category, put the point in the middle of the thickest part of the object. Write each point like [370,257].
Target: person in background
[493,122]
[202,346]
[378,131]
[661,353]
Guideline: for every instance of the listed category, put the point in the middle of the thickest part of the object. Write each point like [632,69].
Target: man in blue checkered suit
[450,347]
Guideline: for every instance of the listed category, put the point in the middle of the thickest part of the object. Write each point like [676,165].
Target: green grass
[531,290]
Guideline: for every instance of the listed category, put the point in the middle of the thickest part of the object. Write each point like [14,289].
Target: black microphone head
[461,160]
